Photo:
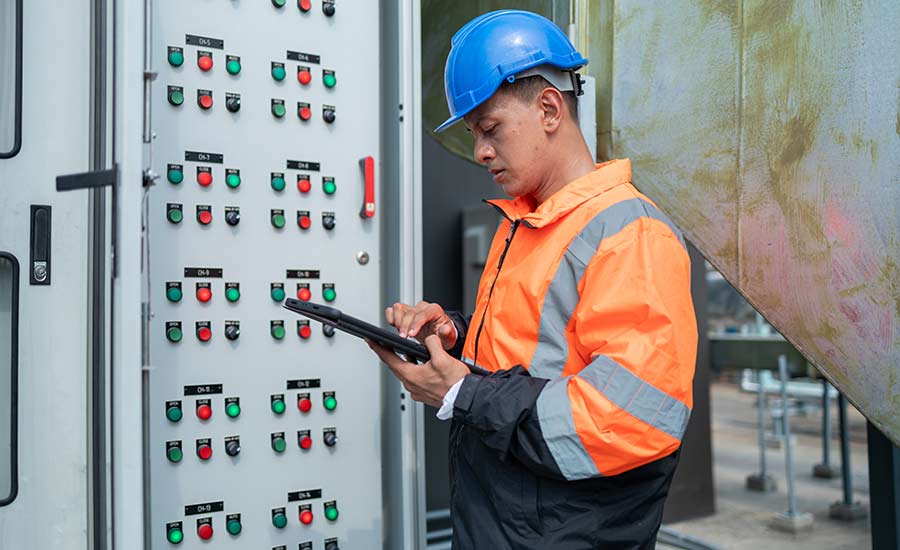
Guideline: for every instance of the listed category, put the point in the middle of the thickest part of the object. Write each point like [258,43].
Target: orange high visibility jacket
[590,293]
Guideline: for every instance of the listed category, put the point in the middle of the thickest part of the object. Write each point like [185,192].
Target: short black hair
[527,89]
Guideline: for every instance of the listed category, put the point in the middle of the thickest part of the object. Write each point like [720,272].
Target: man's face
[510,141]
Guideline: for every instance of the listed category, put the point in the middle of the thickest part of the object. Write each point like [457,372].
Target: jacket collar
[607,175]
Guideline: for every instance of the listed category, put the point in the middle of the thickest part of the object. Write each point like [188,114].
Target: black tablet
[357,327]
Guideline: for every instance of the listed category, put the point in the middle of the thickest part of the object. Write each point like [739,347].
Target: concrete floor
[743,518]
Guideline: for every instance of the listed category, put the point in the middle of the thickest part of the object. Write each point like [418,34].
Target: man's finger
[435,347]
[395,363]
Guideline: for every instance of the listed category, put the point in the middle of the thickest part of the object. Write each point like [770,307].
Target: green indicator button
[278,3]
[329,80]
[233,410]
[174,293]
[278,109]
[279,445]
[278,332]
[279,520]
[329,187]
[278,407]
[176,97]
[330,403]
[329,294]
[278,294]
[175,176]
[174,454]
[175,216]
[233,66]
[174,334]
[233,294]
[233,180]
[233,526]
[278,72]
[176,58]
[173,414]
[175,535]
[278,183]
[331,512]
[278,220]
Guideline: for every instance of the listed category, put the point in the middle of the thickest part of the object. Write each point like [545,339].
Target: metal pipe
[788,455]
[826,424]
[761,404]
[671,537]
[148,68]
[845,450]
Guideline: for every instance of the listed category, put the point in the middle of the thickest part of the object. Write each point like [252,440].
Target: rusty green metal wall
[770,132]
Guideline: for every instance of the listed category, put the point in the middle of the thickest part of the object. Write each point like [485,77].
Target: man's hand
[421,321]
[426,383]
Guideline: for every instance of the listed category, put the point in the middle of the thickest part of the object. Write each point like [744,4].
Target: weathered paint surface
[770,132]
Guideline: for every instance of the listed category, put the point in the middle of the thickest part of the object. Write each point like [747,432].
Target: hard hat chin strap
[562,79]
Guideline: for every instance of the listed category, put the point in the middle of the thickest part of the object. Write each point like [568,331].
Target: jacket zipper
[509,238]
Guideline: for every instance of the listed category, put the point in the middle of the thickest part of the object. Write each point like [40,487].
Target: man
[584,318]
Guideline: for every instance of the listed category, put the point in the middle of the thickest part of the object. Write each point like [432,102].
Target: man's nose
[484,153]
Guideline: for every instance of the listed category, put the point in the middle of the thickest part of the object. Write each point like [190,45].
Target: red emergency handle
[367,164]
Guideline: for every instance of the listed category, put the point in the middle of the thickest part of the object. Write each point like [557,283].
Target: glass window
[10,77]
[9,320]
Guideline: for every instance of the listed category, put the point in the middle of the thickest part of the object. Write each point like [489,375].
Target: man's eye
[490,131]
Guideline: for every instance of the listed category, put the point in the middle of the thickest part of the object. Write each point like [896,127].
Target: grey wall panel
[255,253]
[51,509]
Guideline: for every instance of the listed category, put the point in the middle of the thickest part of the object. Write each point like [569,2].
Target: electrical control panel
[264,427]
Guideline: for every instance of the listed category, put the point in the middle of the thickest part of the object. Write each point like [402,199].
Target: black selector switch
[233,447]
[330,439]
[232,217]
[233,103]
[328,331]
[328,221]
[328,115]
[328,8]
[232,332]
[332,545]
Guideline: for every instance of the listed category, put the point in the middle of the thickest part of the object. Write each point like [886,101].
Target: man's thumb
[433,343]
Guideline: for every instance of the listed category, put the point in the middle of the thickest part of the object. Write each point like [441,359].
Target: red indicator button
[304,185]
[304,294]
[305,77]
[305,405]
[305,222]
[305,113]
[205,531]
[205,101]
[305,444]
[204,334]
[305,333]
[304,5]
[204,294]
[205,217]
[204,178]
[204,412]
[306,517]
[205,62]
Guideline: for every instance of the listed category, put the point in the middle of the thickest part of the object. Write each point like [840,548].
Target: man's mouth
[497,173]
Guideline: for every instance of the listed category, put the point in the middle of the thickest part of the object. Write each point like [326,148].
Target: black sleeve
[502,408]
[462,327]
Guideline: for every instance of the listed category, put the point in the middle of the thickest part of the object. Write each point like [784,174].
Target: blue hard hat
[497,46]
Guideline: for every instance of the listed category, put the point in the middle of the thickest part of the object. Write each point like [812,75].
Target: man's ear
[552,106]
